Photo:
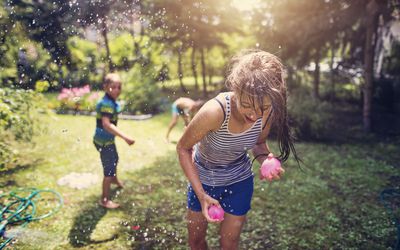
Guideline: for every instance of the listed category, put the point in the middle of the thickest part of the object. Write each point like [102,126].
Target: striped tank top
[221,157]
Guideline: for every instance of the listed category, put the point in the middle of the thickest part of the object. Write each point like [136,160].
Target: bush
[18,120]
[42,86]
[141,93]
[310,118]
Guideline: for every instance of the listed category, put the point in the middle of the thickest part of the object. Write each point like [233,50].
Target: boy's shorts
[109,159]
[235,199]
[177,111]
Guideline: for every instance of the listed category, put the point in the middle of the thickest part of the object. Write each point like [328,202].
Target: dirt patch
[79,180]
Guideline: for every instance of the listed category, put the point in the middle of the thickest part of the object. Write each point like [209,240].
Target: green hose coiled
[19,210]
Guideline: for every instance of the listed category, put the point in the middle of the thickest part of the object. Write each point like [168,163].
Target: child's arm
[207,119]
[261,149]
[111,128]
[261,152]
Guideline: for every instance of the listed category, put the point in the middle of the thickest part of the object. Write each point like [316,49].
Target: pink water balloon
[270,167]
[216,213]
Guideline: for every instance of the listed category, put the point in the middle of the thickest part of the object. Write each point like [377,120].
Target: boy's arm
[111,128]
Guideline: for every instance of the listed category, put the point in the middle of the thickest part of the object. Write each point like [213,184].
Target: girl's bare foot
[108,204]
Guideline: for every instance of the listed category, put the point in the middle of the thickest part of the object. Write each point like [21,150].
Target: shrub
[310,118]
[42,86]
[141,93]
[18,120]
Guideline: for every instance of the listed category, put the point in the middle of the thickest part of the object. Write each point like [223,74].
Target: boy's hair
[111,78]
[258,74]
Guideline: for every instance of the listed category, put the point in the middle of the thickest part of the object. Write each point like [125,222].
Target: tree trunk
[290,81]
[332,75]
[104,32]
[61,79]
[203,72]
[210,76]
[193,58]
[315,93]
[180,71]
[371,25]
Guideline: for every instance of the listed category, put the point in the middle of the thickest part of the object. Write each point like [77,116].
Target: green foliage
[140,89]
[18,120]
[142,95]
[17,109]
[45,22]
[42,86]
[310,118]
[38,64]
[8,154]
[122,49]
[85,58]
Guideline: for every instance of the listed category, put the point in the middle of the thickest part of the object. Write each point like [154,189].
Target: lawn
[332,202]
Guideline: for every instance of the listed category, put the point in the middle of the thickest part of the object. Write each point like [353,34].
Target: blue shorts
[109,159]
[235,199]
[177,111]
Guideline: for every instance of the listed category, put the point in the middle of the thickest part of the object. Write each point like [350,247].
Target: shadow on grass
[13,170]
[19,167]
[85,224]
[155,206]
[7,183]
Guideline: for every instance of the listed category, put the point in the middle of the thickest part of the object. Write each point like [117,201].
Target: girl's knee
[197,238]
[230,239]
[229,242]
[197,243]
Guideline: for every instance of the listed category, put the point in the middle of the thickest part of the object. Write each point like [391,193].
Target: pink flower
[93,96]
[86,89]
[62,96]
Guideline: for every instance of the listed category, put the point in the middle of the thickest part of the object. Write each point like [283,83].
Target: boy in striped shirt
[106,129]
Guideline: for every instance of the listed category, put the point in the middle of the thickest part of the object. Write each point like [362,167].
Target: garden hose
[390,199]
[19,211]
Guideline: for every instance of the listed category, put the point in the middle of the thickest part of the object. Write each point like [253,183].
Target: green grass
[333,203]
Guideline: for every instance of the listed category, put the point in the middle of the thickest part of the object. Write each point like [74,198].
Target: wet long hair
[258,74]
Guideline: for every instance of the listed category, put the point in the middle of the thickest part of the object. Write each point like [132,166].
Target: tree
[46,23]
[185,24]
[373,11]
[303,29]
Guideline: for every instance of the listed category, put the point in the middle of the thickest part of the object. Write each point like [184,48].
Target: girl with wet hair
[221,133]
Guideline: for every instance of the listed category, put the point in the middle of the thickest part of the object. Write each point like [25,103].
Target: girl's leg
[197,228]
[230,230]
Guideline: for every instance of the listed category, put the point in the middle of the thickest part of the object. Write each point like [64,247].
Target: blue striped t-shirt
[110,108]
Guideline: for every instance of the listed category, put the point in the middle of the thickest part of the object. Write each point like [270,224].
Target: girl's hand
[206,201]
[271,169]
